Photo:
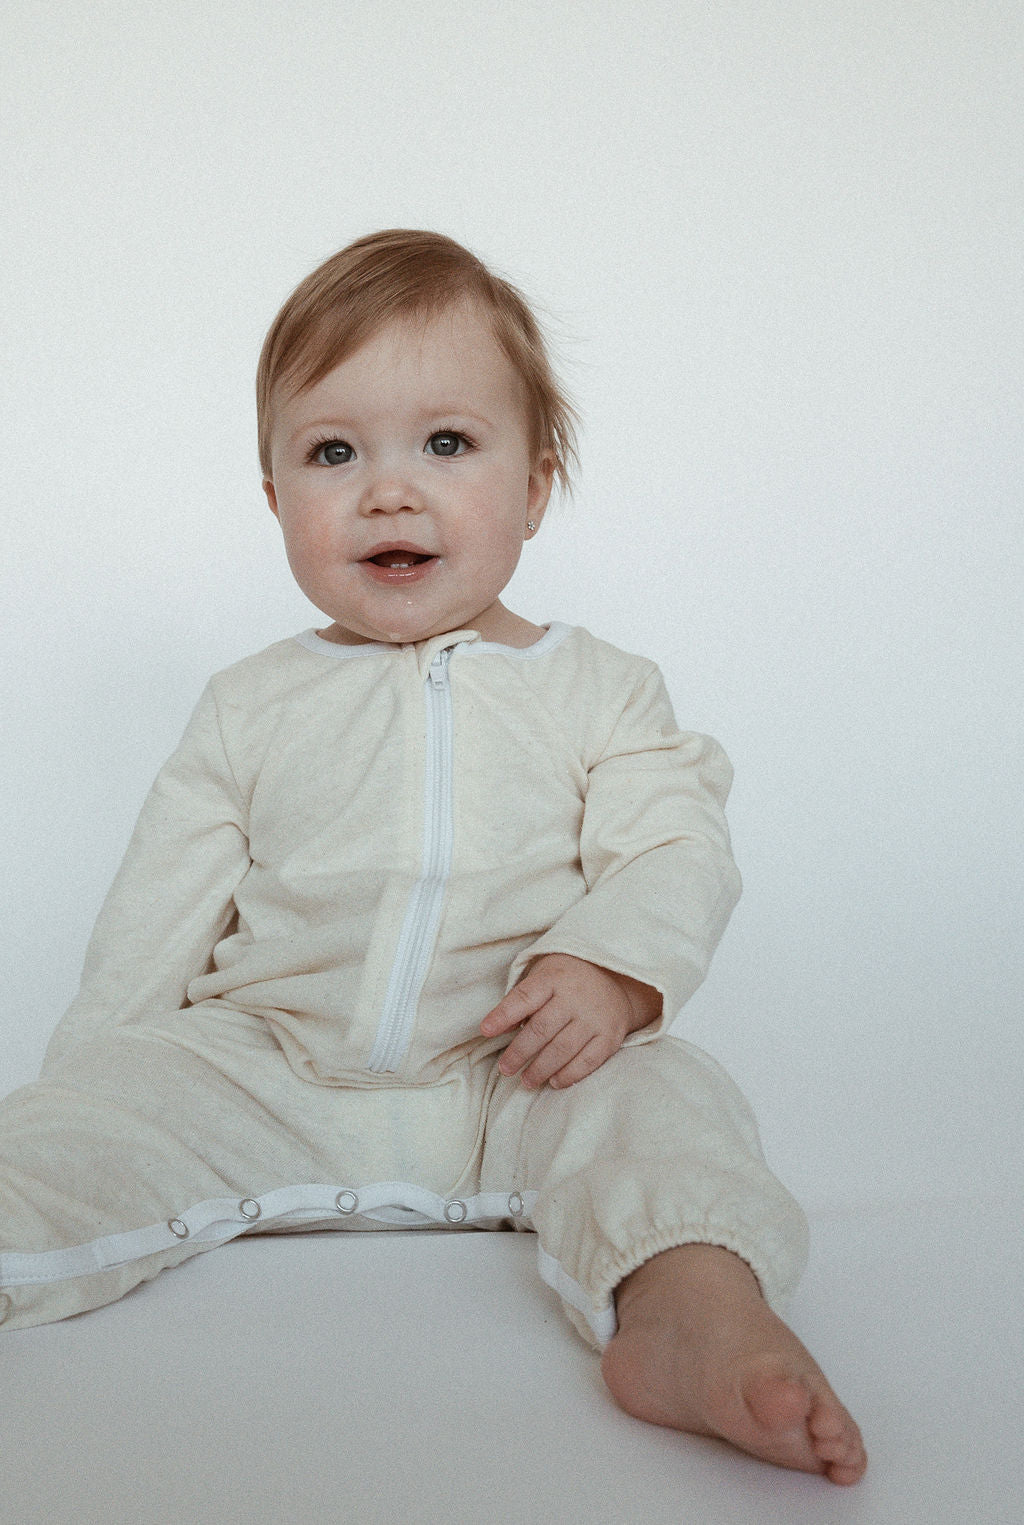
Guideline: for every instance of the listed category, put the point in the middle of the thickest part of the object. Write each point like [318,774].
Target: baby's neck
[495,623]
[507,629]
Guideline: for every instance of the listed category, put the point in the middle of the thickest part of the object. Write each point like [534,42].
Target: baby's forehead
[461,325]
[454,349]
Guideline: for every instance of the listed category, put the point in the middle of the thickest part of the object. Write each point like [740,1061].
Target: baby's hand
[572,1015]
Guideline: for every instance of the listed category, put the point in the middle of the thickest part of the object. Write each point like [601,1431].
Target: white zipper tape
[423,910]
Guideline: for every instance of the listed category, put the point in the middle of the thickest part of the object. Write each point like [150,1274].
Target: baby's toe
[844,1474]
[836,1449]
[826,1422]
[844,1457]
[836,1441]
[777,1403]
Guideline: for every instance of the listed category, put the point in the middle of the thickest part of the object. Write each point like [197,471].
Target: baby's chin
[401,621]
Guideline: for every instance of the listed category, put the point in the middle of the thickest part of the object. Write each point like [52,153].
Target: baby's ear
[541,478]
[268,488]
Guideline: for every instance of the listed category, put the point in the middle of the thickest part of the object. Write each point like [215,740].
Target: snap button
[456,1212]
[5,1306]
[346,1202]
[250,1209]
[516,1205]
[177,1228]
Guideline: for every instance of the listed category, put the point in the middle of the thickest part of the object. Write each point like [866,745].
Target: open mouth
[398,564]
[399,559]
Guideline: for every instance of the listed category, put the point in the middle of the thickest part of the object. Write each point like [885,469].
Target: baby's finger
[520,1002]
[554,1056]
[532,1039]
[590,1058]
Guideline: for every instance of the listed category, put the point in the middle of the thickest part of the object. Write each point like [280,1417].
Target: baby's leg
[151,1144]
[670,1241]
[102,1160]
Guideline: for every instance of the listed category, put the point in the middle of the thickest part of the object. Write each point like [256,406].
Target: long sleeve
[655,855]
[171,900]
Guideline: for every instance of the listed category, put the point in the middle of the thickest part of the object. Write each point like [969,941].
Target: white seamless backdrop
[779,248]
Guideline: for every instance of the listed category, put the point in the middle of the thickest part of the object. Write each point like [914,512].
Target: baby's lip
[398,548]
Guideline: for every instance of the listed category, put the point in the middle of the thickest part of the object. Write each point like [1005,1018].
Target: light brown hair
[403,273]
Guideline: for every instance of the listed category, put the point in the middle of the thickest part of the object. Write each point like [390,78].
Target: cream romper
[352,855]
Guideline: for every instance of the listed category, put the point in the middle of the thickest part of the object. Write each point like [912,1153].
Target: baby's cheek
[317,543]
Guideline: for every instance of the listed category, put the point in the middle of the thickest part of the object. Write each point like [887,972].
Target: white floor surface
[430,1377]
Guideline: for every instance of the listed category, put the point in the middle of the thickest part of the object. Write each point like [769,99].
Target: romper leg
[655,1149]
[120,1140]
[152,1143]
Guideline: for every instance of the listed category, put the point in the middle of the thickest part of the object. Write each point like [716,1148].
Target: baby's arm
[572,1016]
[660,884]
[172,899]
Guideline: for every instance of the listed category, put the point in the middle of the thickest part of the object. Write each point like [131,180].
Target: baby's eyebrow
[442,412]
[315,423]
[455,410]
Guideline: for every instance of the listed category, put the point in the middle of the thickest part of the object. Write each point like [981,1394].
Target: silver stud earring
[531,525]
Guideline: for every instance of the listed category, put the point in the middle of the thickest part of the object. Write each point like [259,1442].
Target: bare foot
[699,1349]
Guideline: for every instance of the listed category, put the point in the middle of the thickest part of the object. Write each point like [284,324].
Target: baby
[406,915]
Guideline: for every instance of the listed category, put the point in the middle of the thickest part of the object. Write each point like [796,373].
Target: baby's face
[403,482]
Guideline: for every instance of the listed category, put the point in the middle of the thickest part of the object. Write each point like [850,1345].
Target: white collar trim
[553,636]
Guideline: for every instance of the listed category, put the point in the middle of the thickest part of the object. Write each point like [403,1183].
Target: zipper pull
[438,674]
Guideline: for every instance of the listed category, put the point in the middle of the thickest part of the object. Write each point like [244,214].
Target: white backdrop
[780,248]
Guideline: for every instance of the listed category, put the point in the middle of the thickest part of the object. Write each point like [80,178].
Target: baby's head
[410,429]
[406,274]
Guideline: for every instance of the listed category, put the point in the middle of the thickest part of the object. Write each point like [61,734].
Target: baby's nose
[388,492]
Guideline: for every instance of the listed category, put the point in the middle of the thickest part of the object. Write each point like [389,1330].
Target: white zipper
[423,911]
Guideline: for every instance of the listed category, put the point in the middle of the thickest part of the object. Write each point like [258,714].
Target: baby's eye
[446,442]
[332,452]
